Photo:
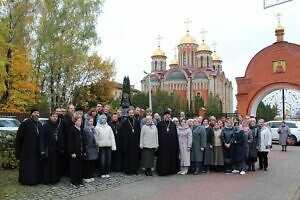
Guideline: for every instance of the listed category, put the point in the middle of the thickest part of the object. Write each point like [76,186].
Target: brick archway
[257,98]
[274,67]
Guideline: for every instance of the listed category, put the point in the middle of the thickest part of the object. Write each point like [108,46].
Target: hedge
[7,150]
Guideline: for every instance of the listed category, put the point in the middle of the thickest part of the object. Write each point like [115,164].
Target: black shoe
[146,172]
[196,171]
[150,173]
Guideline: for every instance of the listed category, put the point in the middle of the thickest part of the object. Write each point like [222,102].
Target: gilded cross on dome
[203,34]
[214,45]
[278,17]
[175,51]
[158,40]
[187,22]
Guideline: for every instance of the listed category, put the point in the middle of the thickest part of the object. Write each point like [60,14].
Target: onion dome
[158,52]
[174,61]
[187,39]
[203,47]
[216,57]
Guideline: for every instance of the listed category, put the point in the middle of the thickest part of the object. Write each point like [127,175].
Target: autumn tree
[64,36]
[96,82]
[17,88]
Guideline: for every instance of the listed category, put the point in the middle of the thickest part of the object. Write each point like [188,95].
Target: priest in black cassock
[168,150]
[27,149]
[130,141]
[52,148]
[116,156]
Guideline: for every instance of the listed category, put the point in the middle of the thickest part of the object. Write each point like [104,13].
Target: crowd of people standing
[80,145]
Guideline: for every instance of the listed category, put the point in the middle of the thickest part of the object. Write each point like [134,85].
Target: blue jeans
[105,160]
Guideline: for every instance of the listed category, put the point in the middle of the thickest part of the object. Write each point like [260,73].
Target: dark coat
[28,152]
[116,156]
[90,143]
[76,142]
[168,150]
[253,144]
[209,153]
[67,124]
[130,142]
[227,138]
[51,142]
[199,141]
[239,146]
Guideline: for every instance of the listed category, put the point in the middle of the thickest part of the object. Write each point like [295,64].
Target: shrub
[7,150]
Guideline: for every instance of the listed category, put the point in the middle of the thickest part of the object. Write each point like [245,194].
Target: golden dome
[216,57]
[187,39]
[279,28]
[174,61]
[203,47]
[158,52]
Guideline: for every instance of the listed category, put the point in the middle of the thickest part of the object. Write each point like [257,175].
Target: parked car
[9,124]
[43,120]
[294,127]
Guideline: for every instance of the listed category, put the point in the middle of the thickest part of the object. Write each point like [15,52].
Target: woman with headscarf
[105,140]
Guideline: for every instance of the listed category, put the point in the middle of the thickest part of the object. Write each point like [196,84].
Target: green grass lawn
[9,183]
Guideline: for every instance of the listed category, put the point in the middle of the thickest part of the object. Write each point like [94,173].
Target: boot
[253,167]
[197,170]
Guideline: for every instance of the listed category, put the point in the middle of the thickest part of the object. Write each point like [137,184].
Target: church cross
[214,45]
[175,51]
[203,34]
[158,40]
[278,17]
[187,22]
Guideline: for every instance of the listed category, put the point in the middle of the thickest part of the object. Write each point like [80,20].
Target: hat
[167,112]
[33,110]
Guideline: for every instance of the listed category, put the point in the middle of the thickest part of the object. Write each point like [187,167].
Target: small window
[291,125]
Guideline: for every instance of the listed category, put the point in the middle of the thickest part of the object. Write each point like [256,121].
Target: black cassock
[51,142]
[116,156]
[168,150]
[130,142]
[27,151]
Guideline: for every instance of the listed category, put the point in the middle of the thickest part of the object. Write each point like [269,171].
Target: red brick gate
[274,67]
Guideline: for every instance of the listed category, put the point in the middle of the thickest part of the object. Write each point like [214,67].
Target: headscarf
[100,119]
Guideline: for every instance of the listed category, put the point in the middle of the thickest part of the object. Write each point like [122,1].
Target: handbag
[289,140]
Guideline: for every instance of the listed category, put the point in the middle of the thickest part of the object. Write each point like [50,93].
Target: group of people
[78,144]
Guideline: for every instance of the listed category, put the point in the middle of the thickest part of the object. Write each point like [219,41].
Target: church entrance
[275,67]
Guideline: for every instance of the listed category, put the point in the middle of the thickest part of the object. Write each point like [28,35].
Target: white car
[43,120]
[293,125]
[9,124]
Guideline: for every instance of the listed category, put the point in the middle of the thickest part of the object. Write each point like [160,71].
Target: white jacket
[149,137]
[264,140]
[105,136]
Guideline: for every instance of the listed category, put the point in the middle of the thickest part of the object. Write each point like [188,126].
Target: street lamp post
[149,89]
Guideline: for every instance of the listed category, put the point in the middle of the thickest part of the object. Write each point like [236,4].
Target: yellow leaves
[23,89]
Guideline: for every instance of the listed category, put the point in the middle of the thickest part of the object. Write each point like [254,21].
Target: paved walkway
[281,182]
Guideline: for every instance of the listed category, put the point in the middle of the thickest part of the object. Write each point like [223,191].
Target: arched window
[201,61]
[192,58]
[161,65]
[198,94]
[184,58]
[155,65]
[207,61]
